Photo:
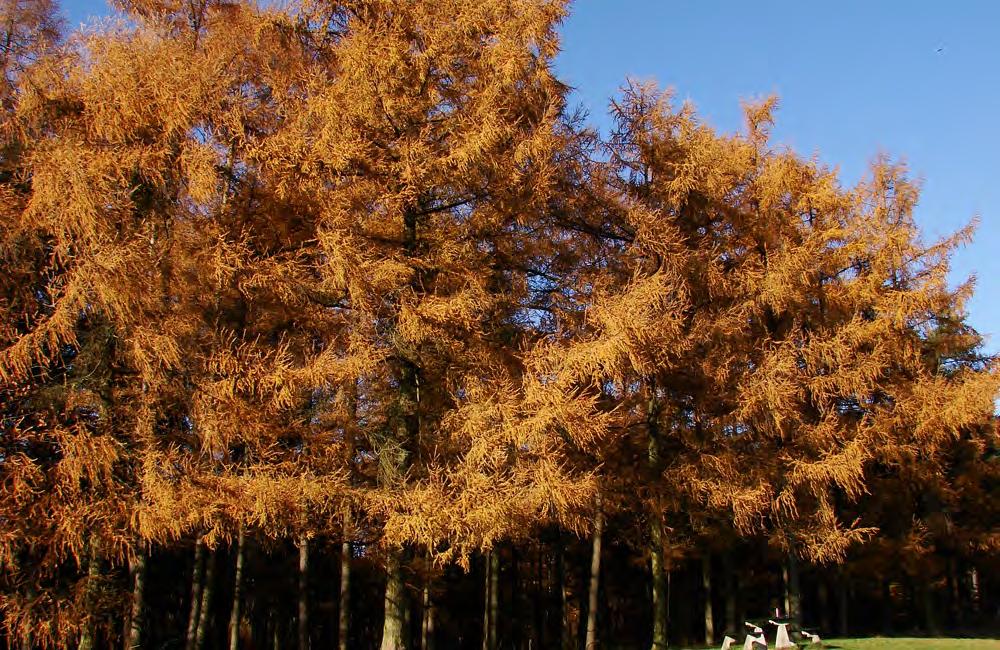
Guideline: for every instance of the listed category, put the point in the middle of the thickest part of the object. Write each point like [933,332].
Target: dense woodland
[333,325]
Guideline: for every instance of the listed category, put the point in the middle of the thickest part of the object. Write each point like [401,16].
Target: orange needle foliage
[265,267]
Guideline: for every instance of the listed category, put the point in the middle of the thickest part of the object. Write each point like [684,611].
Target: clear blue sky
[855,78]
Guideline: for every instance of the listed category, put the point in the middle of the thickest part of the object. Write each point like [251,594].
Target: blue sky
[854,79]
[917,79]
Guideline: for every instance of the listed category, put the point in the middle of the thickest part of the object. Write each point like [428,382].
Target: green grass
[881,643]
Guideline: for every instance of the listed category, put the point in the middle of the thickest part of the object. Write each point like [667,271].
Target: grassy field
[882,643]
[879,643]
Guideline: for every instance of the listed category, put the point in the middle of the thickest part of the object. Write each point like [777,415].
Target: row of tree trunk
[526,592]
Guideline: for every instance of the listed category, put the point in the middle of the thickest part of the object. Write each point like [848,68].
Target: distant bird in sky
[940,50]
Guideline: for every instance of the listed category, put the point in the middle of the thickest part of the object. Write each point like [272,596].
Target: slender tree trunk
[204,610]
[346,554]
[27,640]
[93,575]
[706,586]
[137,568]
[974,590]
[127,618]
[303,593]
[345,595]
[682,608]
[732,587]
[196,584]
[595,578]
[258,630]
[427,628]
[783,598]
[824,605]
[930,615]
[487,583]
[842,603]
[886,607]
[392,626]
[659,588]
[492,600]
[660,611]
[956,606]
[407,436]
[741,604]
[514,633]
[234,616]
[541,583]
[793,595]
[565,624]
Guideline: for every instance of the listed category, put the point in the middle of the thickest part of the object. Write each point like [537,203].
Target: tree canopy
[355,272]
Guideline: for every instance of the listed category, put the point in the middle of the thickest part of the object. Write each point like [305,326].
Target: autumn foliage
[354,273]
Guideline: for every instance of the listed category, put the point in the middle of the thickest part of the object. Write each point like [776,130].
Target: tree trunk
[392,625]
[706,585]
[204,610]
[137,614]
[793,596]
[486,600]
[660,611]
[659,588]
[234,616]
[395,625]
[541,585]
[93,575]
[514,633]
[732,587]
[345,595]
[595,578]
[886,607]
[303,593]
[427,628]
[407,427]
[974,590]
[956,606]
[27,640]
[196,584]
[565,624]
[824,605]
[276,634]
[930,615]
[492,600]
[842,604]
